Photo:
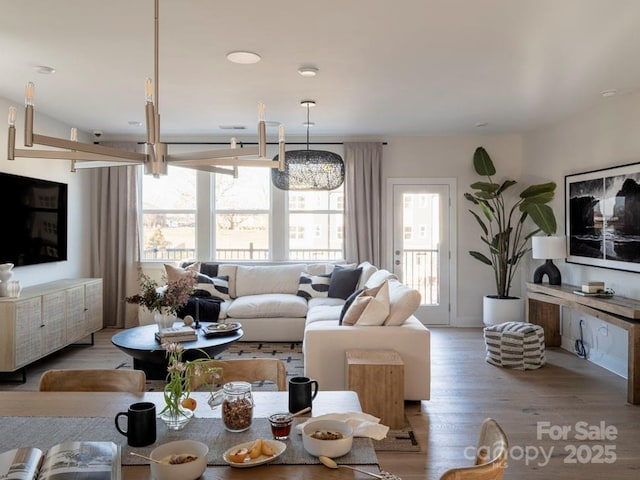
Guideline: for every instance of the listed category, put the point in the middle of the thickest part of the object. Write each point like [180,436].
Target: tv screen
[34,220]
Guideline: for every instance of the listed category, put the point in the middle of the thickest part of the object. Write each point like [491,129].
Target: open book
[65,461]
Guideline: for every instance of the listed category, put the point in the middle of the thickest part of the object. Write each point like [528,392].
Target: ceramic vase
[5,275]
[499,310]
[164,319]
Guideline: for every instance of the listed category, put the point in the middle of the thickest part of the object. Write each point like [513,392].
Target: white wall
[452,157]
[605,136]
[79,245]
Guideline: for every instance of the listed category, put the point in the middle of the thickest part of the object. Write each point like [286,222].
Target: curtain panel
[363,201]
[115,238]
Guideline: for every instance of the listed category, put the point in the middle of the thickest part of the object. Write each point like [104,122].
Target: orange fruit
[189,403]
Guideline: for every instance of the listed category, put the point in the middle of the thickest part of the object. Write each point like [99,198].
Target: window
[169,215]
[408,232]
[243,219]
[242,215]
[319,212]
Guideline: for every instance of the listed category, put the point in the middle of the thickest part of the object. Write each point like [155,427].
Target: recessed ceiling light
[307,103]
[244,58]
[232,127]
[308,71]
[481,124]
[609,93]
[135,123]
[44,70]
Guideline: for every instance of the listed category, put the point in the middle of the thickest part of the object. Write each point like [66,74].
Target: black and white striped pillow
[216,286]
[313,286]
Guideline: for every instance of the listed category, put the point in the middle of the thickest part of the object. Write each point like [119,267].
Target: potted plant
[503,231]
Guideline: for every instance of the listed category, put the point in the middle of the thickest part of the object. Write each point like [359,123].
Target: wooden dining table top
[108,404]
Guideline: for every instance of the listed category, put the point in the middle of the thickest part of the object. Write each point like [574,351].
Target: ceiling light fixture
[309,169]
[308,71]
[157,157]
[609,93]
[243,58]
[44,70]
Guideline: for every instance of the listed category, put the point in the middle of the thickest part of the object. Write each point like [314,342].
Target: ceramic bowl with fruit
[331,438]
[179,460]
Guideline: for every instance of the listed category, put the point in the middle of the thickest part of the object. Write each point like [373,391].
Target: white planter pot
[500,310]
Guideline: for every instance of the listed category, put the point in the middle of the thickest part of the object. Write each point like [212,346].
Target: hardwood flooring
[464,390]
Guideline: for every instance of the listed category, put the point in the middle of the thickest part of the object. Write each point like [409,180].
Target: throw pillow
[216,286]
[344,282]
[313,286]
[370,308]
[348,303]
[175,273]
[404,301]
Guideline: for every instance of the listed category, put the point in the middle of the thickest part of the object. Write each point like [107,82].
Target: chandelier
[156,157]
[308,169]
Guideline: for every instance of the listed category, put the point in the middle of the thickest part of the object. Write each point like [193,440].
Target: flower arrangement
[160,299]
[177,390]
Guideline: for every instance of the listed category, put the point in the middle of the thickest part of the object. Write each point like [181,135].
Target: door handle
[397,262]
[397,252]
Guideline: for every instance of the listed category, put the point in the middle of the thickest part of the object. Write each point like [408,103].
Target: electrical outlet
[604,330]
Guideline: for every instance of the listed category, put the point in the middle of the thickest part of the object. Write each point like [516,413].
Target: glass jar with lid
[237,406]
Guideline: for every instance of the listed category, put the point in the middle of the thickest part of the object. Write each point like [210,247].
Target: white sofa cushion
[256,280]
[377,278]
[268,305]
[328,301]
[404,301]
[367,271]
[319,268]
[321,313]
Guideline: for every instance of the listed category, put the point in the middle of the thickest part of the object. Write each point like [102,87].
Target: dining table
[81,405]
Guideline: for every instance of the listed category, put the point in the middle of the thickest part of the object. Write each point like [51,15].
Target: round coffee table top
[140,343]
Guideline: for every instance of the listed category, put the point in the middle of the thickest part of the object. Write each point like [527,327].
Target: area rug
[400,440]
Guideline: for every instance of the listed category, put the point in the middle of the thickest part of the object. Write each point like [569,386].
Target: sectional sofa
[304,302]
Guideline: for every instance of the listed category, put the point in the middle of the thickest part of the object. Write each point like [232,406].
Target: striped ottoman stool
[515,345]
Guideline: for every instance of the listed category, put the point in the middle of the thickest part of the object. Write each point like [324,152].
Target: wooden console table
[544,302]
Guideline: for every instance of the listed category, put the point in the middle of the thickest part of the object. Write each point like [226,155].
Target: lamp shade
[548,247]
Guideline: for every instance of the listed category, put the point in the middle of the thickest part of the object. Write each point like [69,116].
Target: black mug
[141,424]
[301,394]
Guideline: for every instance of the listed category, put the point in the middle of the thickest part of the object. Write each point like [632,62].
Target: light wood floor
[464,390]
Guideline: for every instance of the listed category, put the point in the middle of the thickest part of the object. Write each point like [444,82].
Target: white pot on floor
[499,310]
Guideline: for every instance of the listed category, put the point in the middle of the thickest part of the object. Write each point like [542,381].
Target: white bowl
[184,471]
[328,448]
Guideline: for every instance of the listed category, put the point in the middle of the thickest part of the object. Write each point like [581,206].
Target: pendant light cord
[308,106]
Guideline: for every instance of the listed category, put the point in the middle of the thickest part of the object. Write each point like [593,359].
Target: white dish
[278,446]
[183,471]
[221,328]
[327,448]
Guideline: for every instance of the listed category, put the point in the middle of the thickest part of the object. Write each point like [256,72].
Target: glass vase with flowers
[179,405]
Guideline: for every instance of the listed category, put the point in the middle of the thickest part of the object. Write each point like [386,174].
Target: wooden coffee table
[149,356]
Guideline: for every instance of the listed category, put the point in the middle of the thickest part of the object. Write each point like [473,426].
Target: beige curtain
[362,195]
[115,238]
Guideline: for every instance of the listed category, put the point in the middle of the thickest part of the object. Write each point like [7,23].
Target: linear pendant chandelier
[156,157]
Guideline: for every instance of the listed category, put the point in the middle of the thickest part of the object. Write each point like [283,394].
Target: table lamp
[548,248]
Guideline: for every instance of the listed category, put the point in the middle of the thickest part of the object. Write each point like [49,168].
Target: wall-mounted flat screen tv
[34,220]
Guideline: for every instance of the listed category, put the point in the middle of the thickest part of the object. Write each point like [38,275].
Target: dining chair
[101,380]
[491,456]
[246,370]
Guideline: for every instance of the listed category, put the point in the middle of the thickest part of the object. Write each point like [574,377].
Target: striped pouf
[515,345]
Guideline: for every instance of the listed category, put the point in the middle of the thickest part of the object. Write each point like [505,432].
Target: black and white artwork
[603,217]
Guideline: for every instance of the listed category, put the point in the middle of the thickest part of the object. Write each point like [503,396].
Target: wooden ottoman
[378,378]
[516,345]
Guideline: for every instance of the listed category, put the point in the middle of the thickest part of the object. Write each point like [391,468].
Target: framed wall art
[603,217]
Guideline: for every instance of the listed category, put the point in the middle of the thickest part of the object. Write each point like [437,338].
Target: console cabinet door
[93,305]
[28,341]
[54,328]
[76,323]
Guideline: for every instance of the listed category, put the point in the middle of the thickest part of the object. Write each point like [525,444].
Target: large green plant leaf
[543,217]
[541,198]
[487,187]
[481,257]
[487,210]
[506,184]
[480,222]
[471,198]
[482,163]
[534,190]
